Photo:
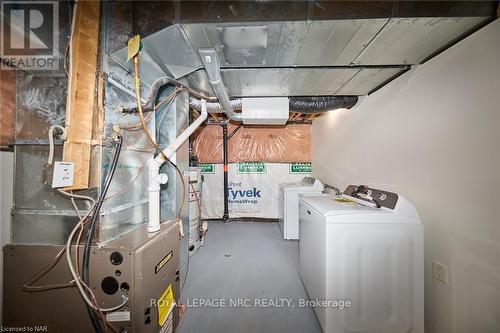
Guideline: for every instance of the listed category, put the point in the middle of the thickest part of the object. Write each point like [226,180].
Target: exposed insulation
[81,90]
[7,106]
[290,143]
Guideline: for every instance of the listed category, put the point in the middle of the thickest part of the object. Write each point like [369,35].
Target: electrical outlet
[63,174]
[438,271]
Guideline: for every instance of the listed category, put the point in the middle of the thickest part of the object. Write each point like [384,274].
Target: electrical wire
[76,208]
[90,235]
[82,223]
[148,134]
[179,172]
[79,234]
[77,279]
[50,159]
[28,286]
[76,196]
[139,107]
[130,183]
[138,126]
[82,286]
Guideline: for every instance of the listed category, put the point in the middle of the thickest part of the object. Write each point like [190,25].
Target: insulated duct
[153,94]
[307,104]
[321,104]
[296,104]
[195,103]
[155,87]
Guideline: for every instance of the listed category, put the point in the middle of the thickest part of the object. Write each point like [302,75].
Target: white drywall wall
[433,134]
[6,189]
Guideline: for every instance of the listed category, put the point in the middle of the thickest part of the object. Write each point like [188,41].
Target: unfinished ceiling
[396,41]
[297,57]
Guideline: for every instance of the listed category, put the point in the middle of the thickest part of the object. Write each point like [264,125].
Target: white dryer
[289,204]
[364,250]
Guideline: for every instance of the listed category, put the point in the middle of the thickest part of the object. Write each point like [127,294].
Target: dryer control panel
[374,196]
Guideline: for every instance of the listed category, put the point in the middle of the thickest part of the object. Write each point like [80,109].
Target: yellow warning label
[342,200]
[134,45]
[165,305]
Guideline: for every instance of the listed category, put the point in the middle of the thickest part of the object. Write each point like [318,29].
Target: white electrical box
[63,174]
[265,111]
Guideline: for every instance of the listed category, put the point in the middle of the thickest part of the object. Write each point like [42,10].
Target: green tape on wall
[300,167]
[207,168]
[252,167]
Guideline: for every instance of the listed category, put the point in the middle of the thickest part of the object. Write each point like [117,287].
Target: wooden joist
[81,91]
[7,106]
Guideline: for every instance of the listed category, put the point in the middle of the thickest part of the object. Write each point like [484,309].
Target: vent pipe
[212,68]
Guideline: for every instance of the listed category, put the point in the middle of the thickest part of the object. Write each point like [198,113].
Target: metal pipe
[225,139]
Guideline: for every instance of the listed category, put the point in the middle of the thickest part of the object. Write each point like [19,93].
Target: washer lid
[328,205]
[302,189]
[331,206]
[291,184]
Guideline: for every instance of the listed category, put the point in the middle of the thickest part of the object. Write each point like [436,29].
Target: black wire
[91,230]
[234,132]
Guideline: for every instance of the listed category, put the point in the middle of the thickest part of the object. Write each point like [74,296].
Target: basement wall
[433,135]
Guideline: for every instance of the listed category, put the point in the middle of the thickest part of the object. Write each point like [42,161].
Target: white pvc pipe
[155,178]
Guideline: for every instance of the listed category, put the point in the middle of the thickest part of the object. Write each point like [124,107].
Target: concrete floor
[247,261]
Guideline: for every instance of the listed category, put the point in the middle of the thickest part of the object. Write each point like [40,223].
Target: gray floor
[248,261]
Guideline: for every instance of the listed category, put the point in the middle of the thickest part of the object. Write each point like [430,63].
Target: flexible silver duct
[297,104]
[313,104]
[195,103]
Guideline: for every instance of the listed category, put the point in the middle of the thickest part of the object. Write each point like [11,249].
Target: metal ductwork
[296,104]
[212,68]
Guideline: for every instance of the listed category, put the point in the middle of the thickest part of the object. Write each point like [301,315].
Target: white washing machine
[364,250]
[289,204]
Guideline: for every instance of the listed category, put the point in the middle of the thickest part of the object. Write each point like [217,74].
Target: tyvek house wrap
[261,158]
[254,188]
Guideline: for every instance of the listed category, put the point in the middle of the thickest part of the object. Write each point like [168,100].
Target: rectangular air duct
[265,111]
